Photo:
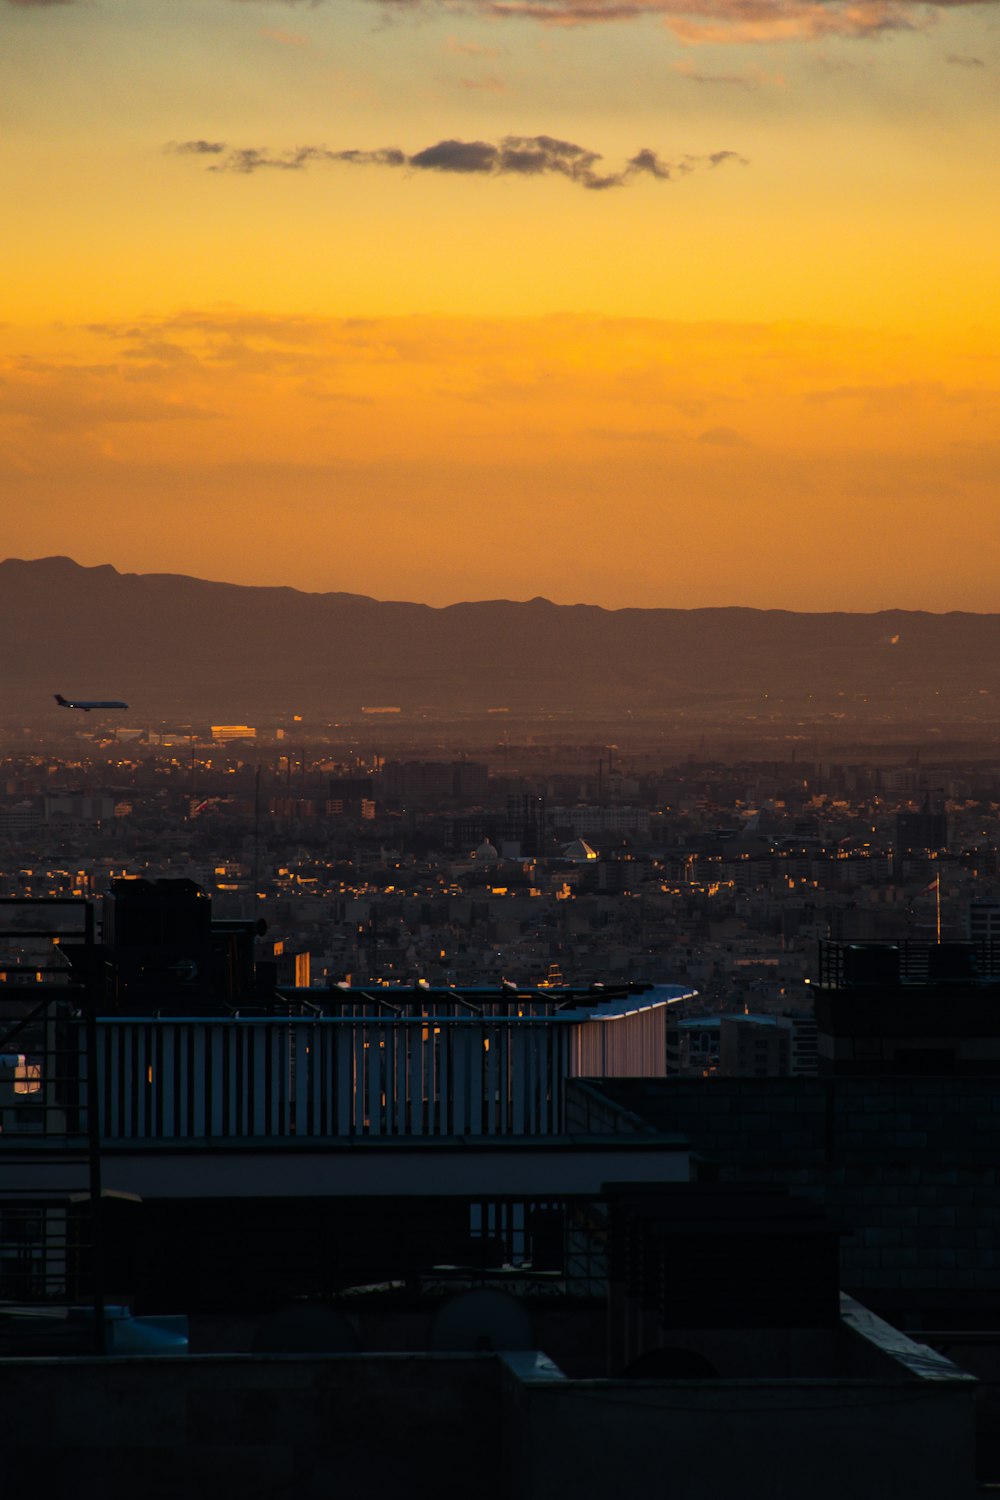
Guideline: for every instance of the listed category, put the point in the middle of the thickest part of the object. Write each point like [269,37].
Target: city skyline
[681,302]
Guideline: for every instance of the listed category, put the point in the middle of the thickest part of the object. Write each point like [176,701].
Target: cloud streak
[197,148]
[513,156]
[722,21]
[756,78]
[212,386]
[691,21]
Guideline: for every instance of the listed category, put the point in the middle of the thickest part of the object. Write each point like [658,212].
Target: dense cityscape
[594,866]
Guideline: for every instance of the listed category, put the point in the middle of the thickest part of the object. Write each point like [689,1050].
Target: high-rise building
[351,797]
[914,1008]
[527,823]
[926,829]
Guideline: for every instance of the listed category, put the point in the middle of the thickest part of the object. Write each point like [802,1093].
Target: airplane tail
[60,700]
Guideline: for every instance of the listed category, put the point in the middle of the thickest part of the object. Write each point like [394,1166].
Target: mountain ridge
[244,649]
[62,560]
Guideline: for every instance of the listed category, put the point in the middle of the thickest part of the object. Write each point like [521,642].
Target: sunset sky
[647,302]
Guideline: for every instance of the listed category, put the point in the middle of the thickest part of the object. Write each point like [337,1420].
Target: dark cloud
[197,148]
[250,159]
[648,161]
[457,156]
[518,156]
[513,156]
[388,156]
[965,62]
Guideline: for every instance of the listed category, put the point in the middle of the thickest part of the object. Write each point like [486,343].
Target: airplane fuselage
[86,704]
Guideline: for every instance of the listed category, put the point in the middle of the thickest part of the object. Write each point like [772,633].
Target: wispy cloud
[469,49]
[197,148]
[965,62]
[689,71]
[905,395]
[755,78]
[702,21]
[490,82]
[209,387]
[691,21]
[513,156]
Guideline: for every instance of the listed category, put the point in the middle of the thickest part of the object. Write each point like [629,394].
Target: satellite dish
[481,1321]
[306,1328]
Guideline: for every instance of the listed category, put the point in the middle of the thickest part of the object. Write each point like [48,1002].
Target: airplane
[88,703]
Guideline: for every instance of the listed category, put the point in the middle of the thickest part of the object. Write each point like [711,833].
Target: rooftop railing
[316,1078]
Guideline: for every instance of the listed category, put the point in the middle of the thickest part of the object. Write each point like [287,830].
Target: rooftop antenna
[256,836]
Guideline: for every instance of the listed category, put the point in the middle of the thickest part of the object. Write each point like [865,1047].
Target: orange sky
[691,305]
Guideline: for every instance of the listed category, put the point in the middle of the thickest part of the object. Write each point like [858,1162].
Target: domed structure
[579,852]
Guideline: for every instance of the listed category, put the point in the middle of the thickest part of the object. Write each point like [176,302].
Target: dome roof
[579,851]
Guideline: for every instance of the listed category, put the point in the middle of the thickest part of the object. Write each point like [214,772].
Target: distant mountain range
[176,645]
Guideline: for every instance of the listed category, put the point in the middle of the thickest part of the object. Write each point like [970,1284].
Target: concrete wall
[208,1427]
[470,1427]
[733,1440]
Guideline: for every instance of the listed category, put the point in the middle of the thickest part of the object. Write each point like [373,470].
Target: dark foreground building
[443,1242]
